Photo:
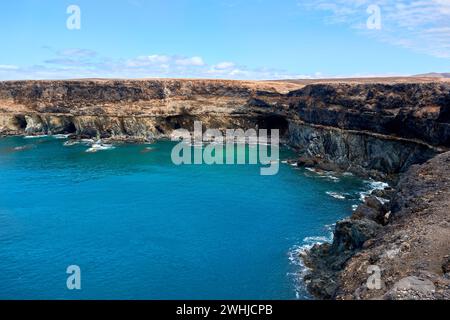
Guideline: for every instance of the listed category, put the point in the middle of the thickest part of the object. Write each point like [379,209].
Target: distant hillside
[434,75]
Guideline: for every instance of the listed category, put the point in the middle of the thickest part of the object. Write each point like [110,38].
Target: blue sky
[236,39]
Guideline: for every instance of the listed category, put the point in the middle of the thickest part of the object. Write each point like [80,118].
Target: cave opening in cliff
[180,122]
[20,122]
[273,121]
[70,128]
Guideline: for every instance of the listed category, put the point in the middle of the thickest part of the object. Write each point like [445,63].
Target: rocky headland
[395,129]
[407,240]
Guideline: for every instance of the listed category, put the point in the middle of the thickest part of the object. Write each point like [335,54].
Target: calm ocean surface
[140,227]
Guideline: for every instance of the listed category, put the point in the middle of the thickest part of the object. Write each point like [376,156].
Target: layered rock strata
[362,127]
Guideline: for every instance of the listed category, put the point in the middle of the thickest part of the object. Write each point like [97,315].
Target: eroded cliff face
[363,153]
[385,127]
[362,127]
[418,111]
[129,109]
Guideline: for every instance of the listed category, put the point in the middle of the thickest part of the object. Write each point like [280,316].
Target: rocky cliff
[406,242]
[381,128]
[363,127]
[128,109]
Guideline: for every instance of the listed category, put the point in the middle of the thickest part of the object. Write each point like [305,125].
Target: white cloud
[74,52]
[143,61]
[193,61]
[8,67]
[78,63]
[224,68]
[238,72]
[224,65]
[419,25]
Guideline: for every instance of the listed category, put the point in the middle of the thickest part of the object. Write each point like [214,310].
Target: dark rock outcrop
[409,110]
[411,250]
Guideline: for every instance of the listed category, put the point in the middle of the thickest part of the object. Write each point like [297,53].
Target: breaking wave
[336,195]
[100,147]
[295,255]
[373,185]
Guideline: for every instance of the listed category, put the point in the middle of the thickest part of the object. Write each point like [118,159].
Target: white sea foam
[373,185]
[295,258]
[378,185]
[71,143]
[295,255]
[330,175]
[99,146]
[333,178]
[26,147]
[335,195]
[61,136]
[315,240]
[36,136]
[86,142]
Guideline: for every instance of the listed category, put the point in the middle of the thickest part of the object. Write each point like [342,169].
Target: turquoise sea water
[140,227]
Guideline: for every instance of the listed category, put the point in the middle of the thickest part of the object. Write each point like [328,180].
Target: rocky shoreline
[408,239]
[383,128]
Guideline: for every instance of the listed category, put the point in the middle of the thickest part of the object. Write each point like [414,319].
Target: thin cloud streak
[418,25]
[81,63]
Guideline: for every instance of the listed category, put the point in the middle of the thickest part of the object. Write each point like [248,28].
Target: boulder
[374,203]
[350,234]
[365,212]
